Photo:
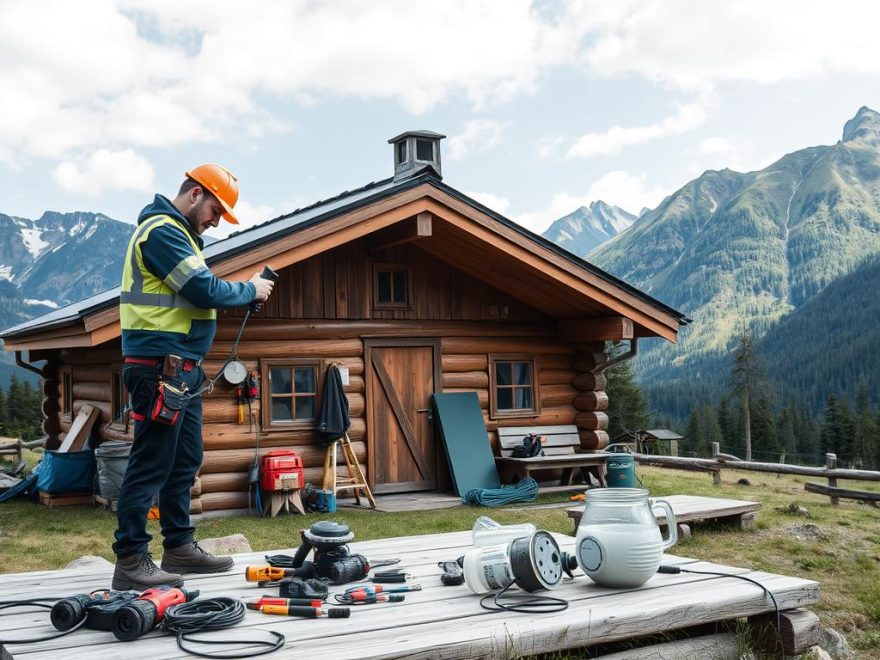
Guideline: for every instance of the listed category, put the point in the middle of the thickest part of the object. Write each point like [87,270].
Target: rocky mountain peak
[864,128]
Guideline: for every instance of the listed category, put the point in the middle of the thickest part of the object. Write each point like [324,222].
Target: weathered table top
[437,622]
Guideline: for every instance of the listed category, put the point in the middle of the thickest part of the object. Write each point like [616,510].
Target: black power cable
[672,570]
[529,603]
[37,602]
[214,614]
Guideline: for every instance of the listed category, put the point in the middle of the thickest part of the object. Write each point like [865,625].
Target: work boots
[190,558]
[137,572]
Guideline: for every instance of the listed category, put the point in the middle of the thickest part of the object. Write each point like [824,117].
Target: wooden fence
[830,472]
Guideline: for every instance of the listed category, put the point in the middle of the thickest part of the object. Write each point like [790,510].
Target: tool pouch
[170,400]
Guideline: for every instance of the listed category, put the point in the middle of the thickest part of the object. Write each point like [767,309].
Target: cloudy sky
[546,105]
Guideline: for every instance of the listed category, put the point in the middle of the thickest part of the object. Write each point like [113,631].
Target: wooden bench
[11,449]
[559,452]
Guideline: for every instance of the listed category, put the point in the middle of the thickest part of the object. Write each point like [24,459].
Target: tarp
[467,444]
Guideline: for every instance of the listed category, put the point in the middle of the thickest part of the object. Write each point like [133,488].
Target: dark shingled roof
[314,214]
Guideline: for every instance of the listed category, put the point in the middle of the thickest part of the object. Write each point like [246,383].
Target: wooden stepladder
[355,480]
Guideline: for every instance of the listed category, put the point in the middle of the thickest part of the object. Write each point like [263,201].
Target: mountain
[732,249]
[62,257]
[55,260]
[588,227]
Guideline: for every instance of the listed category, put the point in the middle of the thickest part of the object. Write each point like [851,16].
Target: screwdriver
[307,612]
[272,600]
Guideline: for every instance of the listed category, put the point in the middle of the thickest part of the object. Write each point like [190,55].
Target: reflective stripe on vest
[148,303]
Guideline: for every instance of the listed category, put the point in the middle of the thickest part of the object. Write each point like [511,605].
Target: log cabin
[412,286]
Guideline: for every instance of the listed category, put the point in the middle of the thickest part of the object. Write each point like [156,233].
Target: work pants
[164,459]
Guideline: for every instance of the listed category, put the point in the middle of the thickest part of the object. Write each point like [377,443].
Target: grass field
[839,547]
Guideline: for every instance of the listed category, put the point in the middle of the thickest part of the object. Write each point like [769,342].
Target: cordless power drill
[68,612]
[144,613]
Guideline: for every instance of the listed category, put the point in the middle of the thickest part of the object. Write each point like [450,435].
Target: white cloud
[692,44]
[248,215]
[630,192]
[495,202]
[688,118]
[549,145]
[106,170]
[479,135]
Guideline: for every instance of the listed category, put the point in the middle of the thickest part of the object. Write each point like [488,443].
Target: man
[168,315]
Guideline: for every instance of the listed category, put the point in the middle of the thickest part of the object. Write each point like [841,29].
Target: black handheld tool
[267,274]
[68,612]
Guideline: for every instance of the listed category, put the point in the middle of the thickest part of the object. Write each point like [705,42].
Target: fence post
[782,461]
[831,464]
[716,474]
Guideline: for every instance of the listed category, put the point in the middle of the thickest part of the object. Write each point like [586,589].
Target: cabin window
[66,392]
[118,398]
[391,285]
[401,152]
[424,150]
[290,393]
[513,386]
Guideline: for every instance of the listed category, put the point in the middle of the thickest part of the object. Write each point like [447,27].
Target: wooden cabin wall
[322,309]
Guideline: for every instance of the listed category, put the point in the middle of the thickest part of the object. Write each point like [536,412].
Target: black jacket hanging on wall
[333,420]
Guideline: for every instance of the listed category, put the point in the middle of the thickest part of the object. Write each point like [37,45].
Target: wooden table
[437,622]
[688,508]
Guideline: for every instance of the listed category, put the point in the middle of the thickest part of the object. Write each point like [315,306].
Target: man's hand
[263,287]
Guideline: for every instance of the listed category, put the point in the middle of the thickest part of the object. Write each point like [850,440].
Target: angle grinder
[332,560]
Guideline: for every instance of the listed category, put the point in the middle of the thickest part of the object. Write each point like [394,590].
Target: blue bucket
[621,471]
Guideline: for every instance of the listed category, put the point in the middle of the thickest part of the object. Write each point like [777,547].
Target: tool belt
[172,391]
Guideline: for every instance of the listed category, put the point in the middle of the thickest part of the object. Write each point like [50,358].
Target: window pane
[502,373]
[305,407]
[522,373]
[399,286]
[384,286]
[304,379]
[523,398]
[401,152]
[424,150]
[282,410]
[505,398]
[280,377]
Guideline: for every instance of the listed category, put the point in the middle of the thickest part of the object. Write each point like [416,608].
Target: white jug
[618,540]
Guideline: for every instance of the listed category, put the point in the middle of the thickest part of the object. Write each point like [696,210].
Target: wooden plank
[80,429]
[863,495]
[691,507]
[436,622]
[405,231]
[610,328]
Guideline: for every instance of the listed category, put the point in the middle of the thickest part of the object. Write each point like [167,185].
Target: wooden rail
[719,461]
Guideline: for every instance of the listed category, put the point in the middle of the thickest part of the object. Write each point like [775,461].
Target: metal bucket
[621,471]
[112,458]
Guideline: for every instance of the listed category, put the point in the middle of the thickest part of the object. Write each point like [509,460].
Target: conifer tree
[865,430]
[703,429]
[747,379]
[627,407]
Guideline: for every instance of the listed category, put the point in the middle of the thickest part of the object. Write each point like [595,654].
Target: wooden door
[401,376]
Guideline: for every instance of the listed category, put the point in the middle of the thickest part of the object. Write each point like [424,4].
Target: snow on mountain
[33,241]
[588,227]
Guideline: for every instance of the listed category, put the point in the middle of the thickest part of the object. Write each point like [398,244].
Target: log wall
[322,310]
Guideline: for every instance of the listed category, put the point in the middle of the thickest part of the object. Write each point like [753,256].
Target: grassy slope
[847,564]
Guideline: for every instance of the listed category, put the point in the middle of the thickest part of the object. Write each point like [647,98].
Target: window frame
[117,423]
[421,142]
[504,413]
[392,268]
[266,366]
[65,392]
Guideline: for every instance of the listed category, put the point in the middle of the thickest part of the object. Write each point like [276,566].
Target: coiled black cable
[214,614]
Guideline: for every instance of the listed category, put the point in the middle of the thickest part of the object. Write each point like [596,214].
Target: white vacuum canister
[533,561]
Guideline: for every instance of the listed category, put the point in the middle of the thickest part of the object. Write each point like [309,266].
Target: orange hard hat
[221,183]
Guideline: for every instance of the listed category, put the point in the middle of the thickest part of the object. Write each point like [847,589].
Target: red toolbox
[281,469]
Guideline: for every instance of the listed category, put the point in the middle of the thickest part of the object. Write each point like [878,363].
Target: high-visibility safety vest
[148,303]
